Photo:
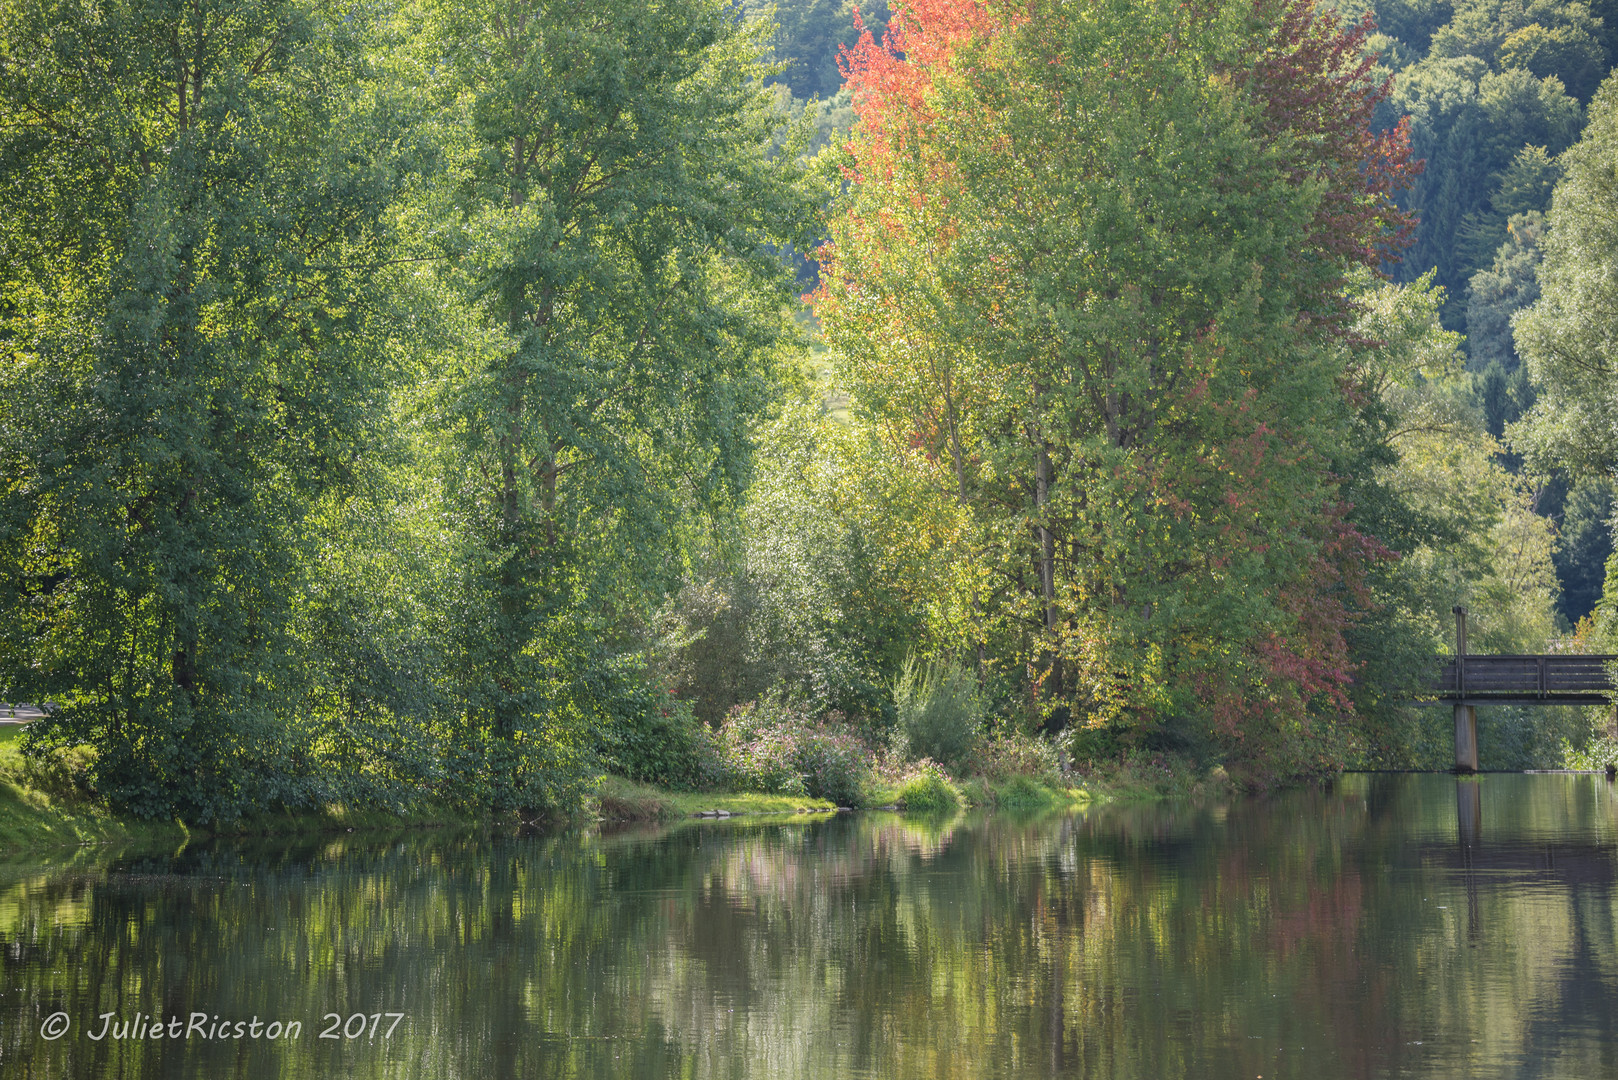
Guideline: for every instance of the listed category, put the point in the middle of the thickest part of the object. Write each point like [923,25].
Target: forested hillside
[419,402]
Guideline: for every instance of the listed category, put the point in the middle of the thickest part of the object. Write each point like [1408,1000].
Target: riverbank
[43,811]
[621,800]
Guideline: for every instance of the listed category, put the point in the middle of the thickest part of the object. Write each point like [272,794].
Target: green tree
[1084,273]
[195,354]
[1479,132]
[1586,545]
[617,221]
[810,34]
[1567,338]
[1498,293]
[1547,37]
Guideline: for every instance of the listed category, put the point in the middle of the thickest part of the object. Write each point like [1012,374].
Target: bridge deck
[1557,679]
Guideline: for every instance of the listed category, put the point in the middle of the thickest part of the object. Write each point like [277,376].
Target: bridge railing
[1557,676]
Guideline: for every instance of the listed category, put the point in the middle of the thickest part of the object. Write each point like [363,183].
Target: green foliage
[808,36]
[1089,746]
[1521,738]
[940,712]
[929,790]
[1567,336]
[1595,747]
[1429,482]
[616,240]
[1489,130]
[405,406]
[1412,22]
[1043,282]
[1586,545]
[1023,793]
[65,774]
[196,332]
[1009,755]
[843,567]
[777,748]
[1497,294]
[362,381]
[704,652]
[658,740]
[1571,53]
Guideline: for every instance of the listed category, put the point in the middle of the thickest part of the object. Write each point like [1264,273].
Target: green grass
[1015,793]
[929,793]
[624,800]
[34,820]
[41,823]
[1024,793]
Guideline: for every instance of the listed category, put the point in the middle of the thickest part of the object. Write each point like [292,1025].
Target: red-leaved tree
[1090,270]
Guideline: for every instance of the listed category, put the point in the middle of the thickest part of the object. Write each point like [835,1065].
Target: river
[1381,926]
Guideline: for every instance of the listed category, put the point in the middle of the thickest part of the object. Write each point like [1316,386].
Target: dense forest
[414,402]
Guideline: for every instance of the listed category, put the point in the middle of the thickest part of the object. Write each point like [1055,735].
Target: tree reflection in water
[1384,925]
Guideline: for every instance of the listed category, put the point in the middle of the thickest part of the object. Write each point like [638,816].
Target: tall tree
[1569,337]
[195,224]
[620,215]
[1093,256]
[1487,138]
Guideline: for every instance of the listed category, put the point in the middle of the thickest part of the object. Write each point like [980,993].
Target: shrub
[1018,755]
[1086,745]
[761,758]
[1023,792]
[929,790]
[657,739]
[64,772]
[835,765]
[778,749]
[940,714]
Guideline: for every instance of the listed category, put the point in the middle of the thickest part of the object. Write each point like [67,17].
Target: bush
[835,765]
[929,790]
[1023,792]
[940,714]
[760,758]
[65,773]
[1018,755]
[657,739]
[1089,745]
[778,749]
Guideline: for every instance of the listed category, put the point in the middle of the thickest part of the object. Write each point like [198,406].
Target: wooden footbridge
[1467,681]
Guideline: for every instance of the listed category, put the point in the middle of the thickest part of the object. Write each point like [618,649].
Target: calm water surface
[1388,926]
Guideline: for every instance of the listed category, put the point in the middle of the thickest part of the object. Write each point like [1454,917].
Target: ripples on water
[1387,926]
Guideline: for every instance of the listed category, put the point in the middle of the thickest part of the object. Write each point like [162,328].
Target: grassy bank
[624,800]
[42,813]
[33,817]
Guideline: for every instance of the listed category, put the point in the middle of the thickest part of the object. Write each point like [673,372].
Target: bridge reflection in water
[1519,861]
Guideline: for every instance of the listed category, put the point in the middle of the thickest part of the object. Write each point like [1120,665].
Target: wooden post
[1466,716]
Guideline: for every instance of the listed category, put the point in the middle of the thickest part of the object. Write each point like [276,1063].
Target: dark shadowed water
[1388,926]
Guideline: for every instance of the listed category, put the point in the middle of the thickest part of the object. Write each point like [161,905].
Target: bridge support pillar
[1466,738]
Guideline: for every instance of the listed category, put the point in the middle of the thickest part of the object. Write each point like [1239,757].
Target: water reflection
[1390,925]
